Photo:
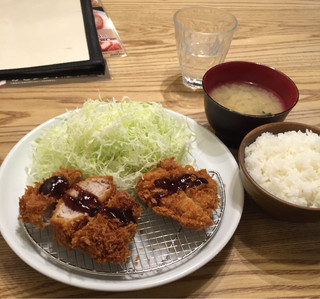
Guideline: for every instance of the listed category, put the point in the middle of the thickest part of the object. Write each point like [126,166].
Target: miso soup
[247,98]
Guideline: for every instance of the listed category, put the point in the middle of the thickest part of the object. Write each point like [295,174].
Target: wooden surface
[265,257]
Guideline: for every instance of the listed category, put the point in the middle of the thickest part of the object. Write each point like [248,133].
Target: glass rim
[178,24]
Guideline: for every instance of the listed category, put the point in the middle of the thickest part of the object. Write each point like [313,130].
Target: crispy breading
[107,238]
[192,204]
[35,207]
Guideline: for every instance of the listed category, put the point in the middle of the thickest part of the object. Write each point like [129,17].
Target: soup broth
[247,98]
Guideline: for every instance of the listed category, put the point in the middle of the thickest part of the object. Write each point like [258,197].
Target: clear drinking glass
[203,37]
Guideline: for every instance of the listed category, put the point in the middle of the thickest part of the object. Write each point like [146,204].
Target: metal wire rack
[159,244]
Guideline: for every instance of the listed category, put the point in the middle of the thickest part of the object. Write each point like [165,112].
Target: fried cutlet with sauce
[106,237]
[39,200]
[181,193]
[98,220]
[77,205]
[89,215]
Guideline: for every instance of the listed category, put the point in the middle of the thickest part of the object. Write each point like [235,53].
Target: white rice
[287,165]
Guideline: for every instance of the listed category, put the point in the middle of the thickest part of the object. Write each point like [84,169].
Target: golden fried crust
[35,207]
[105,238]
[192,206]
[123,200]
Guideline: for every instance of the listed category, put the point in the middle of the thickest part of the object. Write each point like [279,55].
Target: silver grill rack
[159,244]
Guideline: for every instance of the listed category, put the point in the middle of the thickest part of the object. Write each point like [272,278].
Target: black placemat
[95,64]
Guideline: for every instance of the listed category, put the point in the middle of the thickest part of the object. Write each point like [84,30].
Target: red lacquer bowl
[231,126]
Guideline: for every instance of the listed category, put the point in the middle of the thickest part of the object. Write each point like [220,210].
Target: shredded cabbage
[122,139]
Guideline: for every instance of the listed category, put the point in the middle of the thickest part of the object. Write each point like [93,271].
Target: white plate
[209,152]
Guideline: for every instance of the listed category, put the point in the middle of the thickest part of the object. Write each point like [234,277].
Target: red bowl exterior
[231,126]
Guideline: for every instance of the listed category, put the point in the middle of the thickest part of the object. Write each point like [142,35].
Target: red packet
[110,42]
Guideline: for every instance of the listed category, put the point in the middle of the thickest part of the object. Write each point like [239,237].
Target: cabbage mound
[122,139]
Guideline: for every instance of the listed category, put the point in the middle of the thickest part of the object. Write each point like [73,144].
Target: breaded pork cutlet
[181,193]
[89,215]
[39,200]
[98,220]
[77,205]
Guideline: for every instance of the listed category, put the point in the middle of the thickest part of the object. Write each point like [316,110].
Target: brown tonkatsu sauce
[54,186]
[172,186]
[125,216]
[84,201]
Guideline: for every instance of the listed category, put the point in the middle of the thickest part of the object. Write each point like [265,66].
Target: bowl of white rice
[280,170]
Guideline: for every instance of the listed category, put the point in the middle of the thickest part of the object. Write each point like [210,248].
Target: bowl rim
[254,116]
[258,131]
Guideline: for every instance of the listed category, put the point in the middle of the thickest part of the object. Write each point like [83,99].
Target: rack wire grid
[160,243]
